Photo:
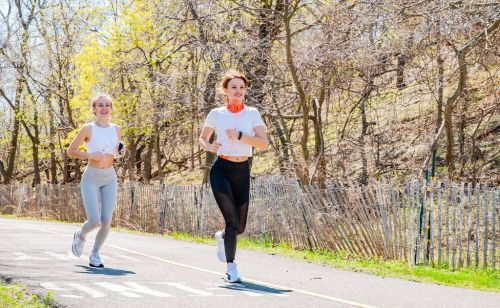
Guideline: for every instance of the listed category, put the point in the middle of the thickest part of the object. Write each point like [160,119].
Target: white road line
[119,255]
[117,288]
[21,256]
[93,293]
[71,296]
[52,286]
[268,284]
[182,286]
[145,290]
[61,256]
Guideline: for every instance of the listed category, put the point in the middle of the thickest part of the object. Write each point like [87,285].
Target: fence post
[21,197]
[485,246]
[469,221]
[460,225]
[415,204]
[430,238]
[439,219]
[304,216]
[493,229]
[163,206]
[478,207]
[454,222]
[447,215]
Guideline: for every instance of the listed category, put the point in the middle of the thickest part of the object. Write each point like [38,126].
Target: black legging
[231,187]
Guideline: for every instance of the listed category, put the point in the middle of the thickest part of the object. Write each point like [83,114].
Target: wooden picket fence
[434,223]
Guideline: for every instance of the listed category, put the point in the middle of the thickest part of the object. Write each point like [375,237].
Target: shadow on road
[252,287]
[104,271]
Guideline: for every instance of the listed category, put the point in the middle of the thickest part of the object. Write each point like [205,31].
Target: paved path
[152,271]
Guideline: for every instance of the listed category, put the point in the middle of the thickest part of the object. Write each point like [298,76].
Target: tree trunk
[269,23]
[36,149]
[289,11]
[363,177]
[11,156]
[400,71]
[147,160]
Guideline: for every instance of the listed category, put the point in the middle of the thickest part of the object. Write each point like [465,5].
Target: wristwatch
[240,134]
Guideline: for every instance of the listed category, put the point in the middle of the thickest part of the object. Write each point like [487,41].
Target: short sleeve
[210,120]
[257,119]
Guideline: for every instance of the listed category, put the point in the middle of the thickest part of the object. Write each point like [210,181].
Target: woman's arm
[259,141]
[79,139]
[204,140]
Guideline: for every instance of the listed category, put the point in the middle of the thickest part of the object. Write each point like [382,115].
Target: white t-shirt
[245,121]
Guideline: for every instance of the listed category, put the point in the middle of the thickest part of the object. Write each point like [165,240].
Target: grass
[16,295]
[480,279]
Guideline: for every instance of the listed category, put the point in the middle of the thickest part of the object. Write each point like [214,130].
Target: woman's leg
[241,191]
[90,196]
[221,189]
[108,202]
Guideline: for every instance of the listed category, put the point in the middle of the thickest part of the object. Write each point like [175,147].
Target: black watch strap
[240,134]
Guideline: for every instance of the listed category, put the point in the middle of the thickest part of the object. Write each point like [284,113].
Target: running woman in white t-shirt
[238,128]
[99,179]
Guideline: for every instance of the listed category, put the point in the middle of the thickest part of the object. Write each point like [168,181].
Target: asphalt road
[153,271]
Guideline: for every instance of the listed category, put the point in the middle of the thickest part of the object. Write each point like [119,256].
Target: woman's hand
[213,147]
[122,152]
[96,156]
[232,133]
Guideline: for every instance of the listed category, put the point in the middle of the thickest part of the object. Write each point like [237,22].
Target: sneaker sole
[221,254]
[236,281]
[73,245]
[98,266]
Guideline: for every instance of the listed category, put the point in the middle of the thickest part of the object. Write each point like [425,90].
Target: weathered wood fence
[435,223]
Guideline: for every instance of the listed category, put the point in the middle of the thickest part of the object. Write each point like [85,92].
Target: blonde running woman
[99,180]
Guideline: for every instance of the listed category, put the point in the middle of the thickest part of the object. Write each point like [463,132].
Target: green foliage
[16,296]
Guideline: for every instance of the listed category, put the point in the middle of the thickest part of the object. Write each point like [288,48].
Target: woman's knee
[241,229]
[232,227]
[106,222]
[94,222]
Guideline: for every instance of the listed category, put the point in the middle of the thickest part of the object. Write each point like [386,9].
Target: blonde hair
[94,100]
[98,96]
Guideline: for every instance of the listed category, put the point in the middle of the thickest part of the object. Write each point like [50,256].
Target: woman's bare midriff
[105,162]
[235,158]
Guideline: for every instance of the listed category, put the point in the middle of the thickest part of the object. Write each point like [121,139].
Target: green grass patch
[16,296]
[464,278]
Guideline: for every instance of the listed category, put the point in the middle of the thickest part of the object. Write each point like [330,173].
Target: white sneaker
[95,260]
[78,244]
[221,251]
[232,274]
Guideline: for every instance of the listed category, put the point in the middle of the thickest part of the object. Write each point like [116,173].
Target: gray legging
[95,181]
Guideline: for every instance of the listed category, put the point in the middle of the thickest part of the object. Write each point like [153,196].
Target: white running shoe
[78,244]
[232,274]
[95,260]
[221,252]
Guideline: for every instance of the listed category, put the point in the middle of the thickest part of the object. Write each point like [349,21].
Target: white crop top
[245,121]
[103,139]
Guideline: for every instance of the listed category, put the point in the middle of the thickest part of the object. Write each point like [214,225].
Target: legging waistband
[221,160]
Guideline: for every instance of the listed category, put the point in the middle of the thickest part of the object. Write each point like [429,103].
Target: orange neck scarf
[235,107]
